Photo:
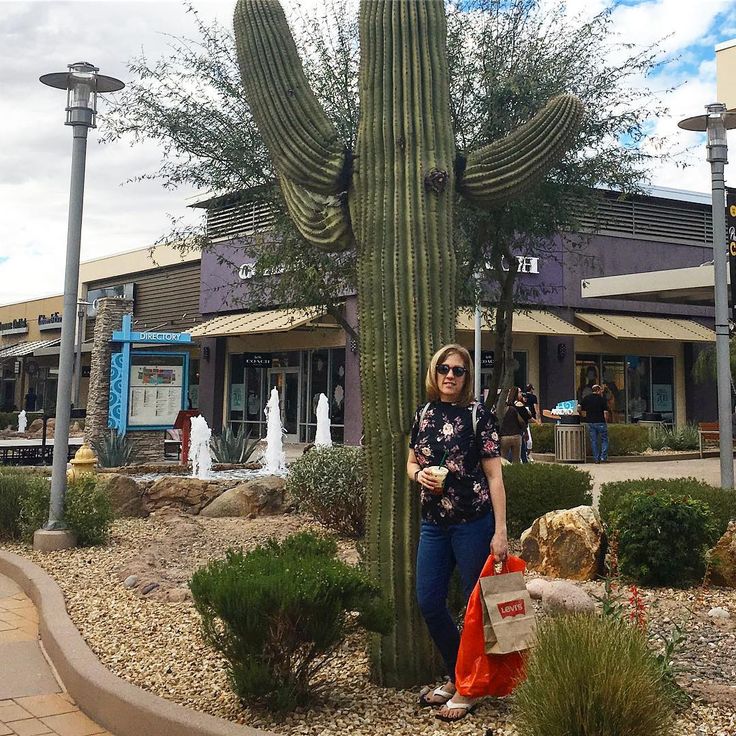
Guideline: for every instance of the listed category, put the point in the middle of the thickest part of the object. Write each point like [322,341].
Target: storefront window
[193,398]
[637,387]
[521,375]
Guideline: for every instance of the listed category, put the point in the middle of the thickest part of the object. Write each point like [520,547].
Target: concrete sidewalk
[32,701]
[707,469]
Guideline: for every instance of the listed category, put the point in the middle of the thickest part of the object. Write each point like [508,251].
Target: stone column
[109,318]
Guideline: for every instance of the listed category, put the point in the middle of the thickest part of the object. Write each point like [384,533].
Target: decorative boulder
[124,493]
[536,587]
[723,559]
[559,596]
[256,497]
[566,544]
[190,494]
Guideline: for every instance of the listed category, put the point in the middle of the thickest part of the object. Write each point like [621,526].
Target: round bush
[329,483]
[87,510]
[533,489]
[591,675]
[615,497]
[663,539]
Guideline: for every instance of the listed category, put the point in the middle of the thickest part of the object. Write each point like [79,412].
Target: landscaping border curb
[117,705]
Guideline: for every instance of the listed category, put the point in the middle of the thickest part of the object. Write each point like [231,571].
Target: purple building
[641,351]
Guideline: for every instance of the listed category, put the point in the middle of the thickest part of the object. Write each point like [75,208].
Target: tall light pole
[82,83]
[715,123]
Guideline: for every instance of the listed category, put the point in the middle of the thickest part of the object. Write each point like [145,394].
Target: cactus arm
[303,142]
[322,219]
[503,169]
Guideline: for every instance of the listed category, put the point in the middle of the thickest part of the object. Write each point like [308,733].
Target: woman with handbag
[514,424]
[463,506]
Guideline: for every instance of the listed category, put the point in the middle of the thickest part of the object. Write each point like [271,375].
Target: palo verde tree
[393,198]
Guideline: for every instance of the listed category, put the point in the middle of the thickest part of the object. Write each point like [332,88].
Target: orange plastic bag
[477,673]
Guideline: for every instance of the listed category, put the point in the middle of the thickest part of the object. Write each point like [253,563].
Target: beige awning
[627,327]
[531,322]
[257,323]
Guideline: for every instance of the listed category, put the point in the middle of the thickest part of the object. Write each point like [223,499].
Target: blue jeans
[440,549]
[598,431]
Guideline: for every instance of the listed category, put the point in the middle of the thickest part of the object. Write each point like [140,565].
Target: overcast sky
[38,37]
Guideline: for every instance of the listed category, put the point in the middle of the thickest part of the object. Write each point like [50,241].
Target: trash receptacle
[570,443]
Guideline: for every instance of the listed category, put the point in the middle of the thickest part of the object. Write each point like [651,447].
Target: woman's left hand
[500,546]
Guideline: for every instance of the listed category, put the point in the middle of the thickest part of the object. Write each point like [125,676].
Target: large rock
[566,544]
[189,494]
[255,497]
[723,559]
[563,597]
[124,493]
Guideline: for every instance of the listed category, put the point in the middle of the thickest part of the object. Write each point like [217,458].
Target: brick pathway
[32,702]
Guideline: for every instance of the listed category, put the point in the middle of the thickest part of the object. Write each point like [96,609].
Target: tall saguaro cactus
[392,198]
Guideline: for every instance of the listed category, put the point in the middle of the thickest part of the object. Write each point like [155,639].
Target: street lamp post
[82,83]
[715,123]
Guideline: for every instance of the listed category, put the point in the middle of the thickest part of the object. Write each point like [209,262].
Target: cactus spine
[400,188]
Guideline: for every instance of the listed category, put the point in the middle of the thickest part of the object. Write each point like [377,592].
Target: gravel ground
[157,644]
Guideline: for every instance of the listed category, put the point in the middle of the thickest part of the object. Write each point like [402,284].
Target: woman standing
[514,423]
[464,515]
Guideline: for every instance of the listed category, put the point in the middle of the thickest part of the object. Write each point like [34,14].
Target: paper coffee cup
[439,472]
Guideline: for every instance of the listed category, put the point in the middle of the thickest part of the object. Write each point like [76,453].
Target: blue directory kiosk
[148,388]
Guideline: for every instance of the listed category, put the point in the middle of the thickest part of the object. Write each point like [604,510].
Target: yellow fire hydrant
[84,461]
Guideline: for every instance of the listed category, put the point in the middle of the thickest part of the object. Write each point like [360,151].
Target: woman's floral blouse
[449,428]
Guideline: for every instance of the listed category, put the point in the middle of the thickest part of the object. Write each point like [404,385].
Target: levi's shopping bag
[477,673]
[509,624]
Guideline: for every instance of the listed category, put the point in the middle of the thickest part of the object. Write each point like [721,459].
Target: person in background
[531,402]
[514,423]
[30,399]
[594,409]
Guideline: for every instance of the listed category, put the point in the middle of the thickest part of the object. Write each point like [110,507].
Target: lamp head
[715,123]
[82,83]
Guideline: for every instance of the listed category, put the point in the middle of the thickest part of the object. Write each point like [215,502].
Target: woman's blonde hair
[433,390]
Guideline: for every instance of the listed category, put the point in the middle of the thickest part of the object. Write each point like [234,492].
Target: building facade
[563,342]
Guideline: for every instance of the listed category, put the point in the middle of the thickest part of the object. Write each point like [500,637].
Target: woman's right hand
[429,481]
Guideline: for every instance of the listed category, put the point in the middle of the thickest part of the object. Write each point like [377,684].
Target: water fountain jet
[323,438]
[274,457]
[199,448]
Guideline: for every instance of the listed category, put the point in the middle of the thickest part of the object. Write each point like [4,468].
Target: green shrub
[623,439]
[14,487]
[87,510]
[617,496]
[329,483]
[543,437]
[278,613]
[663,539]
[533,489]
[233,447]
[113,450]
[591,676]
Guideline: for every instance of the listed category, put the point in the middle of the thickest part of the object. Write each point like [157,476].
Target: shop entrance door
[286,381]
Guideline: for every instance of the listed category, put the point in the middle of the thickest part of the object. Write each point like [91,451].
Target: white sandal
[439,692]
[452,705]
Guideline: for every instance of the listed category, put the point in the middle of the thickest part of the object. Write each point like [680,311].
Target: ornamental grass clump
[279,613]
[14,486]
[591,676]
[329,483]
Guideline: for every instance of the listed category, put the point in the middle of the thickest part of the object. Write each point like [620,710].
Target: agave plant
[113,450]
[233,447]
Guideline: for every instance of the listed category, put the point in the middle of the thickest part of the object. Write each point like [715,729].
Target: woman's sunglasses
[457,370]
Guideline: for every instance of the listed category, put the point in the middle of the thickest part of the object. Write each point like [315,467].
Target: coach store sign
[14,327]
[52,322]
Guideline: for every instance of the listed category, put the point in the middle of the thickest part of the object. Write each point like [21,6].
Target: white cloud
[40,37]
